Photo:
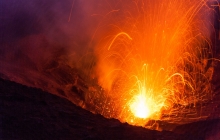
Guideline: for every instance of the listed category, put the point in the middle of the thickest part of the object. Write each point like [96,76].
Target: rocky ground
[30,113]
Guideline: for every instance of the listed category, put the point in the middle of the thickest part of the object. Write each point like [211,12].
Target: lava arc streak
[145,102]
[155,60]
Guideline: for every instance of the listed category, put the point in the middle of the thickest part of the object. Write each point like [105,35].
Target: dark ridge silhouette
[30,113]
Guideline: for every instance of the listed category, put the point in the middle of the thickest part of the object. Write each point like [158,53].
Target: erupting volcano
[142,61]
[155,63]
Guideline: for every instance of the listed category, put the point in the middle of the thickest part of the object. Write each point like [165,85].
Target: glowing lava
[140,106]
[154,61]
[144,104]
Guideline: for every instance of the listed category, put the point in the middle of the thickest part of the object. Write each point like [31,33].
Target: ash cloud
[37,29]
[42,43]
[49,44]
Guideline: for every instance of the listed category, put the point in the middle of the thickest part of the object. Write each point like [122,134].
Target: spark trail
[154,63]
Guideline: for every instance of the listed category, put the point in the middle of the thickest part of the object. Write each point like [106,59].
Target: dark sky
[20,18]
[34,28]
[68,23]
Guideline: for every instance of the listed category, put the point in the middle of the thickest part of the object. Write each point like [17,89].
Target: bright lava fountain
[153,61]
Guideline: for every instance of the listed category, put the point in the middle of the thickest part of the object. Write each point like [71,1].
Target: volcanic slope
[30,113]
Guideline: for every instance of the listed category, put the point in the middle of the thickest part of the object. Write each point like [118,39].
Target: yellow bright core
[140,106]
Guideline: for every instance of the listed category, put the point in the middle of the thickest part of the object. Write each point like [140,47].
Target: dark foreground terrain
[30,113]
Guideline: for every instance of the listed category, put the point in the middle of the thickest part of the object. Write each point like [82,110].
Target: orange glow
[153,62]
[140,107]
[143,106]
[145,103]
